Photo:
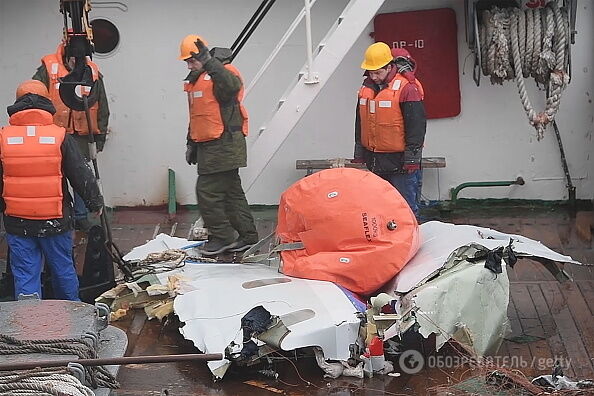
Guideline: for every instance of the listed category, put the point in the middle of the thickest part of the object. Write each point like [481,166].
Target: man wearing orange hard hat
[37,161]
[216,143]
[390,122]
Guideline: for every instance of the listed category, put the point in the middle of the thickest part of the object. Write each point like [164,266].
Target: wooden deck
[549,320]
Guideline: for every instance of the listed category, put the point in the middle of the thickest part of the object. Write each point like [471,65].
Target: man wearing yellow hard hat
[390,121]
[37,161]
[216,144]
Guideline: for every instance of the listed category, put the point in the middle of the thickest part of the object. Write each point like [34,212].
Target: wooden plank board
[517,351]
[568,332]
[545,233]
[531,326]
[426,162]
[556,347]
[581,314]
[587,289]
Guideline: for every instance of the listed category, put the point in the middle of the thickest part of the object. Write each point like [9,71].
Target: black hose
[245,36]
[249,24]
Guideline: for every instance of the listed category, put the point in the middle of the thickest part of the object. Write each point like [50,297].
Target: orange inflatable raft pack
[355,227]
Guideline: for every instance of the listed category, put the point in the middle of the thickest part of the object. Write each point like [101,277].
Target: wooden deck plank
[581,314]
[568,332]
[544,233]
[531,326]
[587,289]
[556,347]
[517,350]
[530,270]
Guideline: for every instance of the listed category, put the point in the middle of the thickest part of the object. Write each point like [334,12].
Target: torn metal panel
[448,291]
[467,303]
[316,313]
[439,240]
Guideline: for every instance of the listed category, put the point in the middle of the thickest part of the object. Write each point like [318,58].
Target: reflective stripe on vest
[206,122]
[65,117]
[32,167]
[382,124]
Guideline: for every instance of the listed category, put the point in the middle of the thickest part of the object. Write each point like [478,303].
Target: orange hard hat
[32,86]
[188,46]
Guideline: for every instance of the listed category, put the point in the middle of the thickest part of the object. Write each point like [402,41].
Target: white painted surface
[489,140]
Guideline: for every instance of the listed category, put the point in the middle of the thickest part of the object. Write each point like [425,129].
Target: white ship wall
[490,139]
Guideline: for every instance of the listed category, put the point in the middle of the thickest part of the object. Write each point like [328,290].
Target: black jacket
[74,169]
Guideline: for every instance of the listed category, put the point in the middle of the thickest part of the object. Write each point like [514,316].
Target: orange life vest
[206,122]
[382,125]
[356,229]
[30,151]
[66,117]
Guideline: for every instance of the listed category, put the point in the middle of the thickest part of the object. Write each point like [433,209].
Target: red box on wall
[431,37]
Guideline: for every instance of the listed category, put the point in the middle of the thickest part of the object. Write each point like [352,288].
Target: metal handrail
[278,47]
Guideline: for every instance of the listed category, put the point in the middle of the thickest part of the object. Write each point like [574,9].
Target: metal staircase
[314,75]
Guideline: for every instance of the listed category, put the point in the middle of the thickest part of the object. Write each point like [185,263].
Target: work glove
[191,154]
[100,141]
[203,54]
[412,160]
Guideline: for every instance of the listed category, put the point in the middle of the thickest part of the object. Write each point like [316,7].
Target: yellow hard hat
[377,56]
[32,86]
[188,46]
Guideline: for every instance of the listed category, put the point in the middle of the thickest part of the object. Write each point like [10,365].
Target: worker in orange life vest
[37,160]
[216,144]
[390,121]
[55,66]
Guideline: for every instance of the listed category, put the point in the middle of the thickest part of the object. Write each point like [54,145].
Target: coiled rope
[532,43]
[45,382]
[97,376]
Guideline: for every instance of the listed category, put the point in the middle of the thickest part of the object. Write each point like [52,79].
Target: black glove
[191,154]
[100,141]
[203,55]
[412,160]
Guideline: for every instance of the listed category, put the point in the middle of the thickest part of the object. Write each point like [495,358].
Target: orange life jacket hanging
[355,227]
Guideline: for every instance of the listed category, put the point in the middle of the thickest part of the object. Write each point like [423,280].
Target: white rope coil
[518,44]
[54,382]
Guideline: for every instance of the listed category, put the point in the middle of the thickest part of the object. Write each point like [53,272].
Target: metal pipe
[454,191]
[111,361]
